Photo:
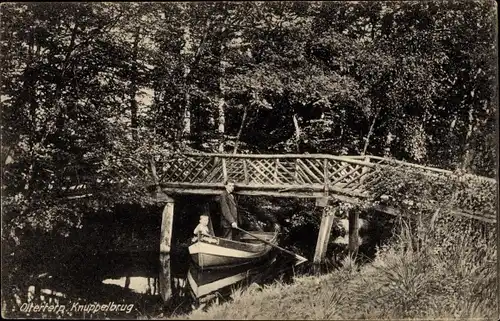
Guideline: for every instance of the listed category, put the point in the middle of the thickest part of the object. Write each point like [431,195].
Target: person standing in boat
[230,218]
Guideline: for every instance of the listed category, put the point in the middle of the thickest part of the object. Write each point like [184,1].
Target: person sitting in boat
[202,227]
[230,218]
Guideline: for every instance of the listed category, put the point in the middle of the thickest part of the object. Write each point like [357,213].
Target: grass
[448,271]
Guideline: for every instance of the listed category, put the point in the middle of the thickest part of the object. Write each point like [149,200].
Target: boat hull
[217,253]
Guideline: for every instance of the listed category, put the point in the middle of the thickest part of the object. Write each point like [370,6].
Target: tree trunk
[127,282]
[222,123]
[186,51]
[467,152]
[134,122]
[191,58]
[245,112]
[61,117]
[221,101]
[297,132]
[370,132]
[32,108]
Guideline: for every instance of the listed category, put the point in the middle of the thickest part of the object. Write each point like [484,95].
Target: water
[127,282]
[123,285]
[136,284]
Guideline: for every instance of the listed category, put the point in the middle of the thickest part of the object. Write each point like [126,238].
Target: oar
[299,258]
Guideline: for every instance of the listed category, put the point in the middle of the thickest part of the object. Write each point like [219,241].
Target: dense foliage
[90,90]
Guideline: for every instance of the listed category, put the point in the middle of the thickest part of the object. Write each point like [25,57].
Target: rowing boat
[211,252]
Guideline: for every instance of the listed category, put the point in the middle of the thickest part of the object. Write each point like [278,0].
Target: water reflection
[136,278]
[110,278]
[206,286]
[137,284]
[205,282]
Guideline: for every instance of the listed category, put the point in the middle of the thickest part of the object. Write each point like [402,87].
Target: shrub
[433,273]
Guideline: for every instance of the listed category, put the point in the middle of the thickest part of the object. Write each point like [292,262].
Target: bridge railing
[429,170]
[305,175]
[355,176]
[471,195]
[350,172]
[317,172]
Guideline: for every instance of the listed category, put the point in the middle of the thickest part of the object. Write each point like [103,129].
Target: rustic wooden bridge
[346,178]
[352,179]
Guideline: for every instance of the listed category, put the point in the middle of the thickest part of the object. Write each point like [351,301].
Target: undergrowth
[444,270]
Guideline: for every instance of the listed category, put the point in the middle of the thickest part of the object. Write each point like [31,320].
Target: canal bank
[402,282]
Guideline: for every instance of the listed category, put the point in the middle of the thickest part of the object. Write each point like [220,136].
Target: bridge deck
[348,178]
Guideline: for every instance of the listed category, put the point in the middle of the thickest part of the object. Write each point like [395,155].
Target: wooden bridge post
[245,171]
[353,232]
[363,173]
[324,233]
[224,171]
[167,220]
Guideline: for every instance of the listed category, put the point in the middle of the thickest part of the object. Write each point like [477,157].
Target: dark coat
[229,208]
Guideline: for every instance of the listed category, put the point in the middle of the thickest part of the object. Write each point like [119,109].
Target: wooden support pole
[365,170]
[167,220]
[323,235]
[296,172]
[205,210]
[245,172]
[224,171]
[353,232]
[276,163]
[165,278]
[326,174]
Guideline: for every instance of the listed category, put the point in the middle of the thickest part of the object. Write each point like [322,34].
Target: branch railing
[354,176]
[287,169]
[302,175]
[323,172]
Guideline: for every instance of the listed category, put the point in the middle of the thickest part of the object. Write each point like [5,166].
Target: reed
[444,271]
